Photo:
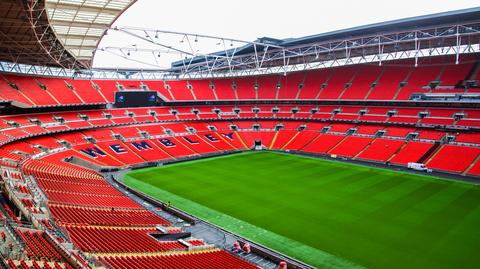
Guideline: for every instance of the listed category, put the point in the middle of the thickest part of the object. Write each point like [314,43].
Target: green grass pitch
[326,213]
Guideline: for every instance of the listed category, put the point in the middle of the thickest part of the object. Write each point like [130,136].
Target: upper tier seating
[388,84]
[290,86]
[86,92]
[224,89]
[180,91]
[60,91]
[362,83]
[202,90]
[32,91]
[417,80]
[359,82]
[336,84]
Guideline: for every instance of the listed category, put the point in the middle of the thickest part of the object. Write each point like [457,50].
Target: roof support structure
[261,57]
[147,74]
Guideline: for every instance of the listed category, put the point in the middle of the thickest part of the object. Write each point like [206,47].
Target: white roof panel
[80,24]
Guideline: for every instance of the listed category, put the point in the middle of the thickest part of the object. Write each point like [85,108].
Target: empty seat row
[37,246]
[105,216]
[216,259]
[119,240]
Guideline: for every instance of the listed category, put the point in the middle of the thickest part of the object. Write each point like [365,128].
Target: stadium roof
[56,33]
[444,18]
[80,24]
[463,16]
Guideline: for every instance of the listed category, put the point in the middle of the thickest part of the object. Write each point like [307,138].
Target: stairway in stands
[430,152]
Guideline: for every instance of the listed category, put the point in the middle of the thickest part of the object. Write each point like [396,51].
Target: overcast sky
[250,19]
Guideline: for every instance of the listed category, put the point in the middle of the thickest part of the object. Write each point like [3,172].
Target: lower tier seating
[212,260]
[105,216]
[37,247]
[98,200]
[33,264]
[454,158]
[381,149]
[351,146]
[412,152]
[323,143]
[119,240]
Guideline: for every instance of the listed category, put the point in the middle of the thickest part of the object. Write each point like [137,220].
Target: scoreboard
[134,98]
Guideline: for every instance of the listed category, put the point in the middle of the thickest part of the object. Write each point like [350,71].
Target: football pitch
[328,214]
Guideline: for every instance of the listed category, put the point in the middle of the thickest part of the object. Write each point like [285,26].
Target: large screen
[135,98]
